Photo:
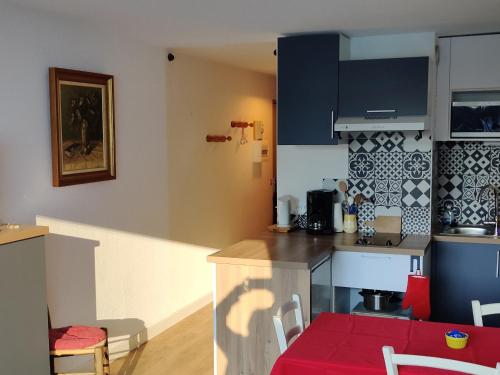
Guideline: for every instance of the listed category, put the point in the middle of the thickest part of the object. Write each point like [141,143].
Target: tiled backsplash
[464,168]
[394,170]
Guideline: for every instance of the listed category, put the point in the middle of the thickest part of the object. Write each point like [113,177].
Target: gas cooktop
[381,240]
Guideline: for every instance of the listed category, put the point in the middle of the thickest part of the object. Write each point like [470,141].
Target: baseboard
[122,345]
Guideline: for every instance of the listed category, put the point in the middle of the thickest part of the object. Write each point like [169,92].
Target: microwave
[475,114]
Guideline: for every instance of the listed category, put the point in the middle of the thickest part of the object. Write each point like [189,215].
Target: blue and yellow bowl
[456,339]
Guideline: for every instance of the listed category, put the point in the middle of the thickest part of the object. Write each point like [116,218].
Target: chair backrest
[284,338]
[478,311]
[393,360]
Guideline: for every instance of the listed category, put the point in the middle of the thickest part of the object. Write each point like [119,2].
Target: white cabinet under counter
[372,270]
[373,267]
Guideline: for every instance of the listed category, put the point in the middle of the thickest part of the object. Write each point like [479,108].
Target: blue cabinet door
[462,272]
[307,89]
[398,84]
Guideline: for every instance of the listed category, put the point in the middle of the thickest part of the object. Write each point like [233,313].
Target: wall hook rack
[218,138]
[241,124]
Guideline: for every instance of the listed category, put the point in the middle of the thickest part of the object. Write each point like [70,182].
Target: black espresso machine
[320,211]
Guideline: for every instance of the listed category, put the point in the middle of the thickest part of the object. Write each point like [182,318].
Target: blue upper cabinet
[307,89]
[462,272]
[398,84]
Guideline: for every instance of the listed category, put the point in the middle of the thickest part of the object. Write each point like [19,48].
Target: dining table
[344,344]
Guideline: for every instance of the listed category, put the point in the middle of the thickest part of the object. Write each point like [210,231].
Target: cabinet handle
[381,113]
[331,123]
[498,261]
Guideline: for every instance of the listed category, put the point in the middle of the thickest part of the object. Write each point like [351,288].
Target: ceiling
[242,32]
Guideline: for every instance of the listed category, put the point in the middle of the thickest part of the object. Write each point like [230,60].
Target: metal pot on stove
[376,300]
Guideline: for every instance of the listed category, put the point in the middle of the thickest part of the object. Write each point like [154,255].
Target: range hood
[384,95]
[358,124]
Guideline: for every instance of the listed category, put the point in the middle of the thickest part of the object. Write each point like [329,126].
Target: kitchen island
[254,277]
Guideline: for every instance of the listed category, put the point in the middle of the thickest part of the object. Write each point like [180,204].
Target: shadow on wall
[70,263]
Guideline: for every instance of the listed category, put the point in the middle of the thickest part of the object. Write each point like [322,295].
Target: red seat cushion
[75,337]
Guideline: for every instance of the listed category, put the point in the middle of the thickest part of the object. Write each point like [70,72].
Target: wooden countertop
[493,240]
[24,232]
[301,250]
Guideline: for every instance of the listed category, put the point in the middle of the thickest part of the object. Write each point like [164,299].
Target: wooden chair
[478,311]
[393,360]
[285,338]
[99,350]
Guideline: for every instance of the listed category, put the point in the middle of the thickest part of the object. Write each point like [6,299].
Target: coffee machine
[320,211]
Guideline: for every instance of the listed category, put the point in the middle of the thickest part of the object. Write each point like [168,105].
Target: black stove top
[381,240]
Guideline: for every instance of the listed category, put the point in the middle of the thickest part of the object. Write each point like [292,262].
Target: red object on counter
[342,344]
[418,296]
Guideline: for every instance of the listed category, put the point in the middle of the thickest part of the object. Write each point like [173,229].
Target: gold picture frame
[82,127]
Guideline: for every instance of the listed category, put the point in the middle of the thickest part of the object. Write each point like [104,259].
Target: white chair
[478,311]
[393,360]
[284,338]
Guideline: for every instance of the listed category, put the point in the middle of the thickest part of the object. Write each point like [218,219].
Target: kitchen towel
[418,296]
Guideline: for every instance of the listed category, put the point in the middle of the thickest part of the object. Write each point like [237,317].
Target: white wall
[133,284]
[119,270]
[302,168]
[30,44]
[220,196]
[110,259]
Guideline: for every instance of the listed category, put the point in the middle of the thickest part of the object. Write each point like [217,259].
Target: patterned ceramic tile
[388,142]
[362,145]
[473,184]
[366,212]
[417,165]
[416,220]
[361,165]
[362,186]
[388,192]
[495,179]
[451,145]
[389,165]
[416,193]
[495,166]
[450,187]
[376,170]
[413,142]
[472,146]
[451,160]
[474,212]
[477,159]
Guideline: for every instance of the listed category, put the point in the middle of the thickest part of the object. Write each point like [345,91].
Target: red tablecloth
[341,344]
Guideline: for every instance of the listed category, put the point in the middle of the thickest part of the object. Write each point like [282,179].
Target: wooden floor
[184,349]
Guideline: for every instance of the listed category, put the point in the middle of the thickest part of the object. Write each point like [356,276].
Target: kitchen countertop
[494,240]
[301,250]
[24,232]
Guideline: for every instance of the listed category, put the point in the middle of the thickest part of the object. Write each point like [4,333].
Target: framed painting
[82,124]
